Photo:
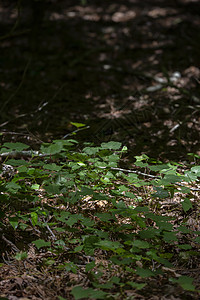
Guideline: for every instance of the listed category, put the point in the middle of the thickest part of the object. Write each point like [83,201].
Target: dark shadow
[129,69]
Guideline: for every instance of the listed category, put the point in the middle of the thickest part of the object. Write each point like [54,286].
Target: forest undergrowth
[77,225]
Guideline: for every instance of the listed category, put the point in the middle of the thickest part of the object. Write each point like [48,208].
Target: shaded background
[128,69]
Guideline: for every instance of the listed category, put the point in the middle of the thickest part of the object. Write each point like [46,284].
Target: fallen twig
[10,243]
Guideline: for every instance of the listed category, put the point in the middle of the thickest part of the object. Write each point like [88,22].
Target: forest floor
[127,69]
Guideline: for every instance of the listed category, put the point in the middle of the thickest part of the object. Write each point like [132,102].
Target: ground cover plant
[76,225]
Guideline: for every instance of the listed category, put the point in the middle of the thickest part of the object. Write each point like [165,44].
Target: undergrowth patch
[76,224]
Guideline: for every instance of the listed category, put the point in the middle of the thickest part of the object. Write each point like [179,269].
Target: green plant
[83,210]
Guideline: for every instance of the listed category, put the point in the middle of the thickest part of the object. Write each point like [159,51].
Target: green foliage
[8,147]
[82,202]
[21,256]
[41,243]
[79,293]
[185,282]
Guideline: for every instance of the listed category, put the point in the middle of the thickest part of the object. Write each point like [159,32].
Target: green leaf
[125,261]
[169,236]
[35,186]
[132,177]
[197,240]
[87,222]
[141,164]
[183,229]
[111,158]
[185,282]
[108,245]
[21,256]
[185,246]
[91,150]
[186,204]
[196,170]
[90,244]
[102,234]
[72,220]
[149,233]
[22,169]
[90,266]
[144,272]
[111,145]
[41,243]
[63,216]
[141,244]
[164,225]
[60,243]
[13,187]
[101,164]
[14,221]
[52,149]
[152,254]
[184,190]
[105,217]
[135,285]
[52,167]
[16,146]
[77,125]
[115,280]
[79,293]
[98,294]
[171,179]
[131,195]
[34,218]
[190,176]
[78,249]
[17,162]
[52,189]
[141,157]
[71,267]
[194,155]
[162,167]
[160,193]
[124,149]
